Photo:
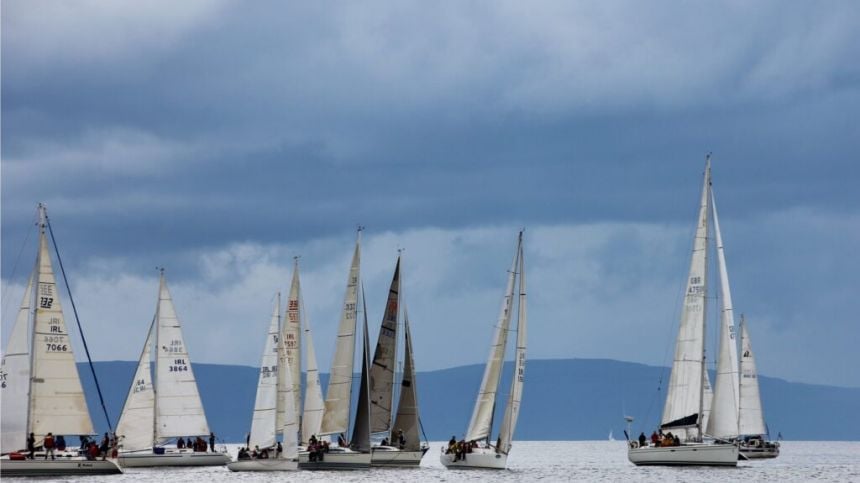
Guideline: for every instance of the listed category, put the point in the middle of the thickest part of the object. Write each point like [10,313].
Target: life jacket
[49,442]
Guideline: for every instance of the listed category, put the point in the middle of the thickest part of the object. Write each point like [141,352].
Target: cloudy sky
[220,139]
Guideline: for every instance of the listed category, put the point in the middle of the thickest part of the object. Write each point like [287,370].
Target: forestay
[684,399]
[482,415]
[179,411]
[16,379]
[336,415]
[384,360]
[263,424]
[751,416]
[136,427]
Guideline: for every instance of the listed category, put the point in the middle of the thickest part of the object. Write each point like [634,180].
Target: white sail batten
[136,426]
[337,402]
[16,379]
[406,419]
[314,405]
[750,413]
[291,334]
[264,421]
[482,414]
[723,421]
[512,409]
[57,402]
[179,410]
[384,363]
[683,408]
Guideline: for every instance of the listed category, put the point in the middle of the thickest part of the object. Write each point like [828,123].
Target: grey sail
[361,431]
[383,367]
[407,419]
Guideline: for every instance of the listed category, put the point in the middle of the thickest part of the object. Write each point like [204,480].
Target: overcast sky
[220,139]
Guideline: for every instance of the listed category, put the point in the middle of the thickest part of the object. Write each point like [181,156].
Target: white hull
[391,456]
[686,455]
[73,466]
[336,459]
[479,458]
[172,457]
[270,464]
[758,452]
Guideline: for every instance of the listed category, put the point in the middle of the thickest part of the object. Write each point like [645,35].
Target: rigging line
[5,296]
[80,329]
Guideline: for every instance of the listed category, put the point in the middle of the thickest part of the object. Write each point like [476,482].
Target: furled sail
[751,416]
[336,415]
[384,360]
[512,409]
[407,408]
[179,411]
[263,424]
[16,379]
[683,406]
[482,415]
[723,420]
[57,402]
[136,426]
[291,333]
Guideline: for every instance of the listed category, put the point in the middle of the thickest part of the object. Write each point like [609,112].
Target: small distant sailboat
[751,426]
[41,390]
[168,408]
[274,375]
[336,415]
[483,454]
[686,404]
[401,445]
[611,437]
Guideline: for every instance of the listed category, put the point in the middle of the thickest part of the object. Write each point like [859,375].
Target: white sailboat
[401,445]
[270,402]
[751,427]
[335,419]
[481,453]
[41,388]
[155,413]
[685,407]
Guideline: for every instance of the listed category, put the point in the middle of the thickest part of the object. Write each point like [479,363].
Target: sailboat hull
[686,455]
[273,464]
[172,458]
[336,459]
[769,450]
[76,466]
[479,458]
[395,457]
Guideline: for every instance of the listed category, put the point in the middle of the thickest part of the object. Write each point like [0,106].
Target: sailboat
[751,427]
[401,445]
[685,408]
[274,375]
[480,452]
[170,407]
[335,420]
[41,387]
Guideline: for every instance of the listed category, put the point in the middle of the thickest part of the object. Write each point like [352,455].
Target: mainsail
[179,411]
[750,414]
[314,405]
[384,362]
[336,416]
[361,431]
[683,408]
[57,402]
[136,426]
[291,334]
[15,375]
[512,409]
[263,424]
[723,421]
[407,408]
[290,425]
[482,415]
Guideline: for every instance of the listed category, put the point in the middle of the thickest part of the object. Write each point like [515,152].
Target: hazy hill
[567,399]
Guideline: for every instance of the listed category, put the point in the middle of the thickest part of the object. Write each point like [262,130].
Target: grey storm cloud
[165,133]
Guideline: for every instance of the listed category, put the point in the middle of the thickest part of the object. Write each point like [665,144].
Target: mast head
[43,215]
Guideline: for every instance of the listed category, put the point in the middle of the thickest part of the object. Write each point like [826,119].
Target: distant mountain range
[565,399]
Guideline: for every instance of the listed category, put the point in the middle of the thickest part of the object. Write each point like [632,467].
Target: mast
[481,424]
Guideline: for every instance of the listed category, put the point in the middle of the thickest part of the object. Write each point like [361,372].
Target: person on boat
[642,439]
[341,441]
[384,442]
[211,441]
[31,445]
[256,453]
[61,443]
[243,454]
[93,451]
[104,445]
[279,450]
[499,444]
[654,438]
[312,441]
[180,444]
[401,441]
[451,444]
[48,445]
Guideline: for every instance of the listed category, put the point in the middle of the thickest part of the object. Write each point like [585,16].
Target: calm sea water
[555,461]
